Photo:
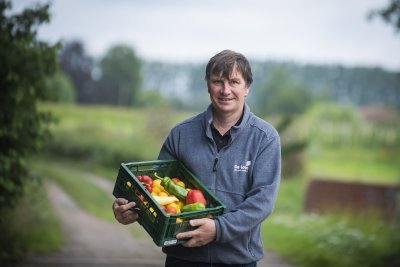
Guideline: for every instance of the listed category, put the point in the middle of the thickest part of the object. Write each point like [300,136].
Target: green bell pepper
[193,207]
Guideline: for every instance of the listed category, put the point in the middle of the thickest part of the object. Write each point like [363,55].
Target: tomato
[149,188]
[147,180]
[171,210]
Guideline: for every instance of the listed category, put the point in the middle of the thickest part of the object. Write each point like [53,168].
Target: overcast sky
[304,31]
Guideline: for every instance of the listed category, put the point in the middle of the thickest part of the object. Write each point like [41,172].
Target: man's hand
[202,235]
[124,212]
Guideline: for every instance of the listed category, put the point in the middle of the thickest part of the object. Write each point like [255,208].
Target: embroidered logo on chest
[242,167]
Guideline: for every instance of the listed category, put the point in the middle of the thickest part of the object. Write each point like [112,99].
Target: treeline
[288,83]
[113,79]
[122,78]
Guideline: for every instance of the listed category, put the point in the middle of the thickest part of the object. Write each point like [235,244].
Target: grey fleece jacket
[244,175]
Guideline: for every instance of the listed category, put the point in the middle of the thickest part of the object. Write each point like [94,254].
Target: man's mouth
[224,99]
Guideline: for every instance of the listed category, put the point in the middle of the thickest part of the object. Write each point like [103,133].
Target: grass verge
[31,227]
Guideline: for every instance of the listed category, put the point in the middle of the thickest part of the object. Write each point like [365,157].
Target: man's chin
[224,108]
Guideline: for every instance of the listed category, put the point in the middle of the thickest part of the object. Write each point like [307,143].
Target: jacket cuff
[217,230]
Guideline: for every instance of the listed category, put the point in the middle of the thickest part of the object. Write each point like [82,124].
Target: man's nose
[226,88]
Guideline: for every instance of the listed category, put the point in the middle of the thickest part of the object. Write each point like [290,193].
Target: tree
[25,62]
[390,14]
[60,88]
[78,66]
[282,95]
[121,71]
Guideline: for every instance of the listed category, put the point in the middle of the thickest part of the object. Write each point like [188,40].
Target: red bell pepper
[194,196]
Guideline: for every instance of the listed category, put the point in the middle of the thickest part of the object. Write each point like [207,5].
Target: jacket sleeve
[260,200]
[168,151]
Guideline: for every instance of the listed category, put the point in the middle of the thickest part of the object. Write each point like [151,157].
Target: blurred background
[87,85]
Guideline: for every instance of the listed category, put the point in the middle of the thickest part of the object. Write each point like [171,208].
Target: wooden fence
[324,196]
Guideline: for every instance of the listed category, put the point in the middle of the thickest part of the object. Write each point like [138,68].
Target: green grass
[108,136]
[336,240]
[98,139]
[311,240]
[356,164]
[31,227]
[291,196]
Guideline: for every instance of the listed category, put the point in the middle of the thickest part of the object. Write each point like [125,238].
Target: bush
[60,88]
[25,63]
[335,240]
[337,125]
[292,148]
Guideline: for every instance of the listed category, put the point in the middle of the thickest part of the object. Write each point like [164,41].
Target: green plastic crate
[162,227]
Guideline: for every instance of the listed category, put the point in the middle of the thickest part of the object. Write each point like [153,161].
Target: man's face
[228,95]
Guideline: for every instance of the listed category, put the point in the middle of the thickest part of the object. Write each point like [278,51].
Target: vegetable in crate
[178,182]
[193,207]
[195,195]
[146,181]
[165,200]
[172,188]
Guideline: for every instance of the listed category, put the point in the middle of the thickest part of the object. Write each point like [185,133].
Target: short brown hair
[225,62]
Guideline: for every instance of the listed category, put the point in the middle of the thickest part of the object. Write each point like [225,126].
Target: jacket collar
[235,129]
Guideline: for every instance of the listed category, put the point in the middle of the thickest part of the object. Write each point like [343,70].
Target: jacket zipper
[215,163]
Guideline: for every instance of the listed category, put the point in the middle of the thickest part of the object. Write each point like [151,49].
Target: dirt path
[93,242]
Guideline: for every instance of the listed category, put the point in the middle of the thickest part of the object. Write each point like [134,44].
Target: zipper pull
[215,164]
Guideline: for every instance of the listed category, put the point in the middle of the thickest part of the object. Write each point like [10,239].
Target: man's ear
[248,91]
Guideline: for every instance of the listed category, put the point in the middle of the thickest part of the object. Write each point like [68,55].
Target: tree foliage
[120,70]
[78,66]
[282,95]
[359,86]
[292,148]
[25,62]
[116,80]
[60,88]
[390,14]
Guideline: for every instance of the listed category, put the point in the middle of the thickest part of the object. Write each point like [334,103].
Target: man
[237,156]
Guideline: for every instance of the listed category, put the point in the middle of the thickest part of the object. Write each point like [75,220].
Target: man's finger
[197,222]
[126,207]
[121,201]
[185,235]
